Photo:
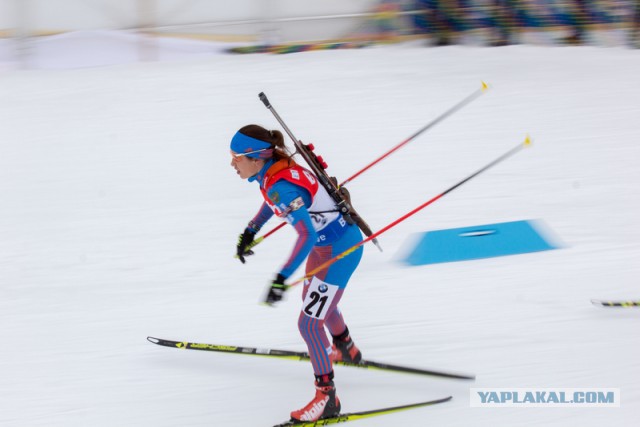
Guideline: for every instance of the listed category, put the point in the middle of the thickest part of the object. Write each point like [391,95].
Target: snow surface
[120,215]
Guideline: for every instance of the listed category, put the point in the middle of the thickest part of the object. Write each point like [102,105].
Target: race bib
[318,299]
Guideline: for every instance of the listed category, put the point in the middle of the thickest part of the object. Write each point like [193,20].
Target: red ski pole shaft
[434,122]
[261,238]
[327,263]
[267,234]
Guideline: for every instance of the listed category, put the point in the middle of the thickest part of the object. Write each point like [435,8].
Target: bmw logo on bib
[323,288]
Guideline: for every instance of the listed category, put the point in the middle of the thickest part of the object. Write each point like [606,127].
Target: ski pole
[326,264]
[435,121]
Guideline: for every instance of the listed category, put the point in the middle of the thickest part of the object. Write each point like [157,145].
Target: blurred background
[120,212]
[77,33]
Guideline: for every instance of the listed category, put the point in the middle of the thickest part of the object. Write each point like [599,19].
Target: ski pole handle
[261,238]
[255,242]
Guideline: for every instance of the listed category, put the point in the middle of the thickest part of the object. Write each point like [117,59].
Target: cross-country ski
[353,416]
[304,356]
[619,303]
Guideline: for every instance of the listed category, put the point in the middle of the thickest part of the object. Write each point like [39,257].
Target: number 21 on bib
[319,298]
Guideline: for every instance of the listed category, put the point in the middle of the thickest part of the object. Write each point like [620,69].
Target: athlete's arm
[294,200]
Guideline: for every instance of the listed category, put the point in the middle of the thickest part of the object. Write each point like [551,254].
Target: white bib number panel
[319,298]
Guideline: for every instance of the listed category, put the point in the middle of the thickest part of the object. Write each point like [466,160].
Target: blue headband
[257,149]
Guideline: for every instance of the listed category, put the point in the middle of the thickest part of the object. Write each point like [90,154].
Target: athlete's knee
[309,326]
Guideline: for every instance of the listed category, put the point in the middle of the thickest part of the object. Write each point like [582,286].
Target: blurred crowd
[445,20]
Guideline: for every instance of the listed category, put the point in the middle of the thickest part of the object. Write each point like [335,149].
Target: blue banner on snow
[481,241]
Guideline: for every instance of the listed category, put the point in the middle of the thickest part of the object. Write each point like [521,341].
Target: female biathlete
[294,194]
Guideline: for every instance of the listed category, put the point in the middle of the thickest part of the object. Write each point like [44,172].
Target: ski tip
[623,304]
[527,141]
[153,340]
[485,86]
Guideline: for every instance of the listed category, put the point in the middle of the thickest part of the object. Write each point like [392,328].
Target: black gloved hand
[243,248]
[276,290]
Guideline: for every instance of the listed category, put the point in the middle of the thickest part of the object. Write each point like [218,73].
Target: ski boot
[325,403]
[344,349]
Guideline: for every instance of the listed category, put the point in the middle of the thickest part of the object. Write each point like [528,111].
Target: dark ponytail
[273,137]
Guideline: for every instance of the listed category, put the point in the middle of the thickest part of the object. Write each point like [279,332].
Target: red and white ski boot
[325,403]
[344,349]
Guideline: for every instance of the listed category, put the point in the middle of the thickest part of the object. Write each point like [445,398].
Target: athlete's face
[245,166]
